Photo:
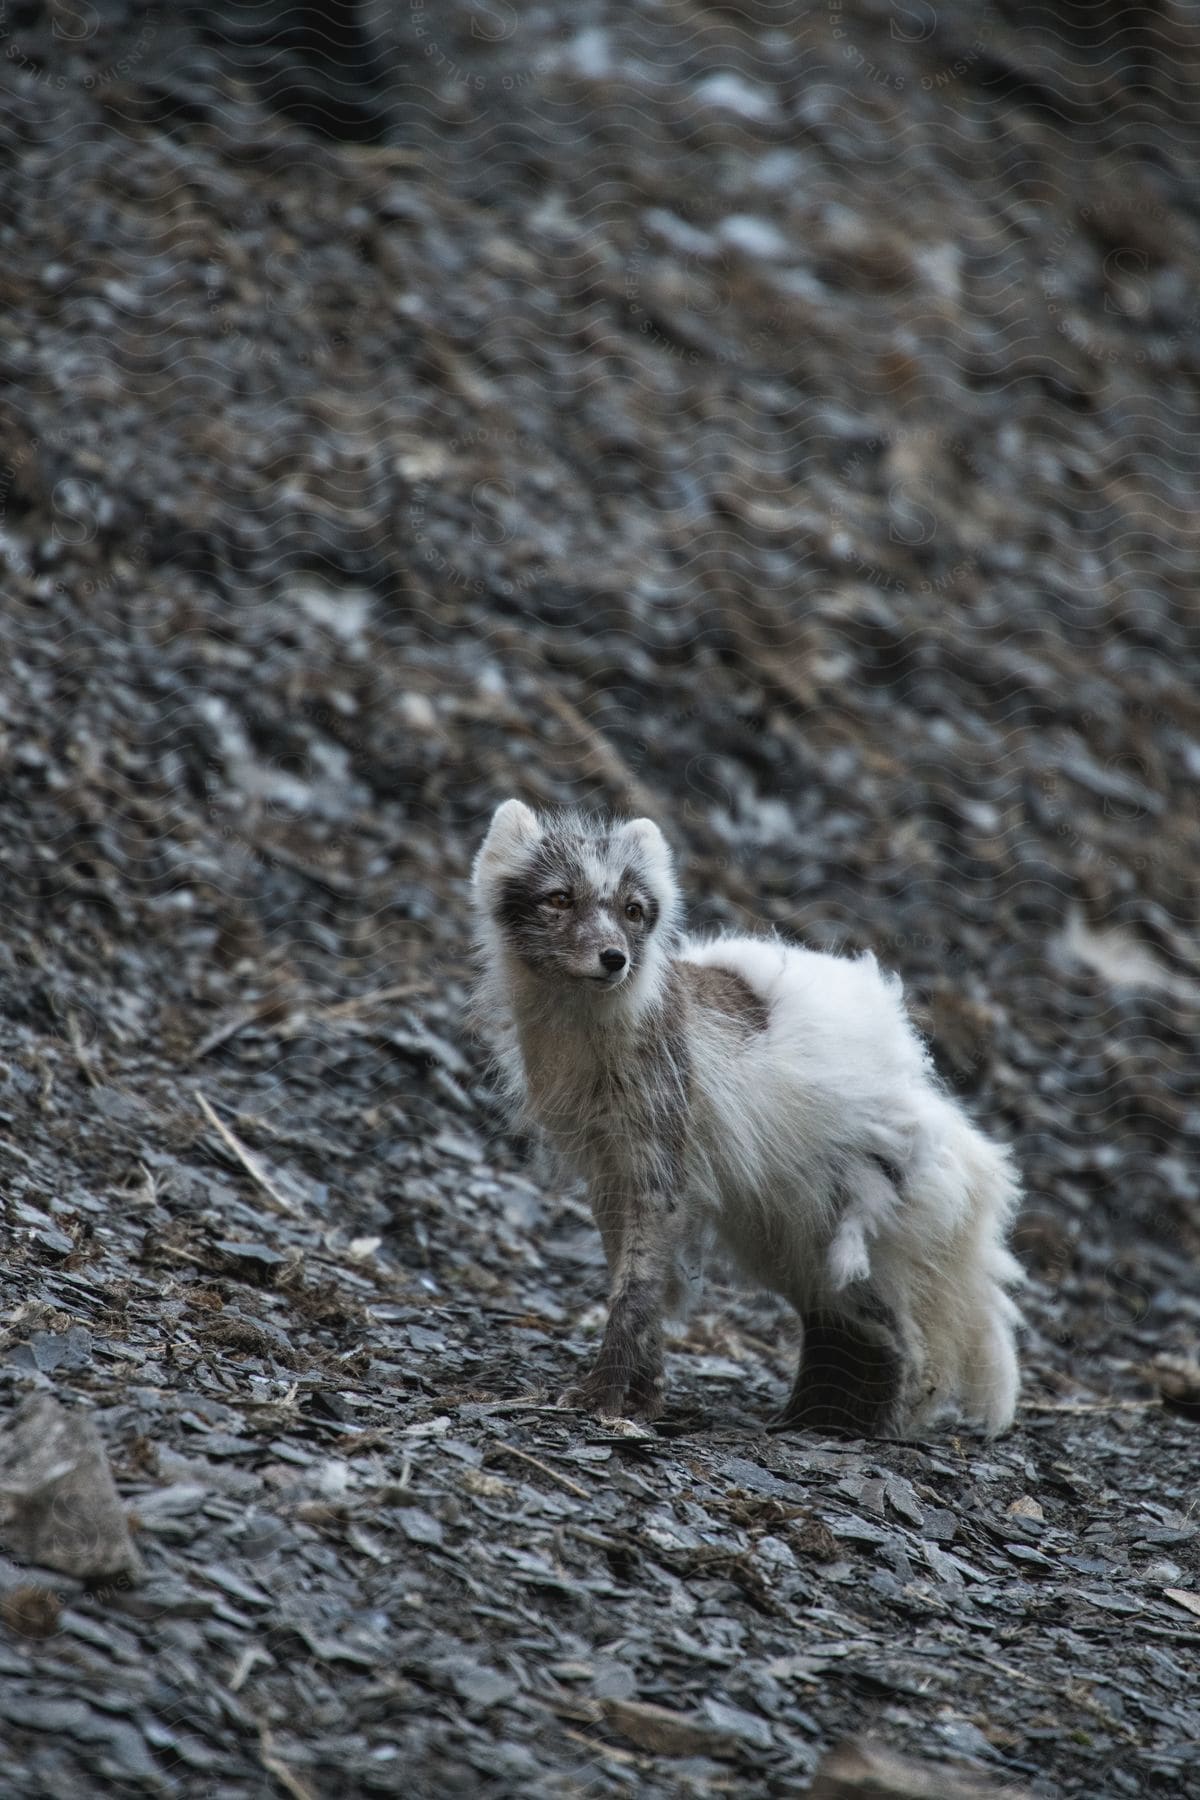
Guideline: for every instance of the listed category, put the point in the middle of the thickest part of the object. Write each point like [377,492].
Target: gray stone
[58,1502]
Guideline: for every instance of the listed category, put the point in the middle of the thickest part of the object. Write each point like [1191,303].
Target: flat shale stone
[58,1503]
[862,1770]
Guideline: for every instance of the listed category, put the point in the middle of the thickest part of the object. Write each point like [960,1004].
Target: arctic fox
[774,1098]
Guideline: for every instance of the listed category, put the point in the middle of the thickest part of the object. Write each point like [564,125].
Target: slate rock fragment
[1178,1381]
[862,1770]
[31,1611]
[58,1503]
[664,1731]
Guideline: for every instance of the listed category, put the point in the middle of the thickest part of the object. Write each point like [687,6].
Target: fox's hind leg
[857,1371]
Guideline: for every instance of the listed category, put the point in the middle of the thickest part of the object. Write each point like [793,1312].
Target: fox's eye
[560,900]
[634,910]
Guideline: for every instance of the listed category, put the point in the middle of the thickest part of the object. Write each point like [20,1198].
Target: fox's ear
[653,850]
[513,829]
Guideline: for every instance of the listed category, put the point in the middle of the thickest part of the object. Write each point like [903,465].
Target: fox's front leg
[639,1224]
[634,1164]
[627,1375]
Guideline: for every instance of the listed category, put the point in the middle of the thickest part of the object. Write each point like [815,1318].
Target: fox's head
[585,901]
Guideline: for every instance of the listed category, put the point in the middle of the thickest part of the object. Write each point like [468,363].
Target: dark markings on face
[520,896]
[633,887]
[722,991]
[572,939]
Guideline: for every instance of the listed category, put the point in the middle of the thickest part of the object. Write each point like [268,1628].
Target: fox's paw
[609,1397]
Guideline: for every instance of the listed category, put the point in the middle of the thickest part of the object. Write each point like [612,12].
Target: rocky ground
[781,420]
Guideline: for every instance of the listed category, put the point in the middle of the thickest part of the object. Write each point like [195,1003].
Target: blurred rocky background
[779,419]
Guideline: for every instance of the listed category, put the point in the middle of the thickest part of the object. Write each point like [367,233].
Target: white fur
[822,1152]
[794,1120]
[513,829]
[644,836]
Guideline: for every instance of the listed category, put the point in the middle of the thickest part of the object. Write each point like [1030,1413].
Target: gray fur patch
[721,990]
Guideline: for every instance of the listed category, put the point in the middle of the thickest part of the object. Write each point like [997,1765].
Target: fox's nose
[612,960]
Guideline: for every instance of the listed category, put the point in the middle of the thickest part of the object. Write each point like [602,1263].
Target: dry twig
[274,1765]
[247,1158]
[565,1481]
